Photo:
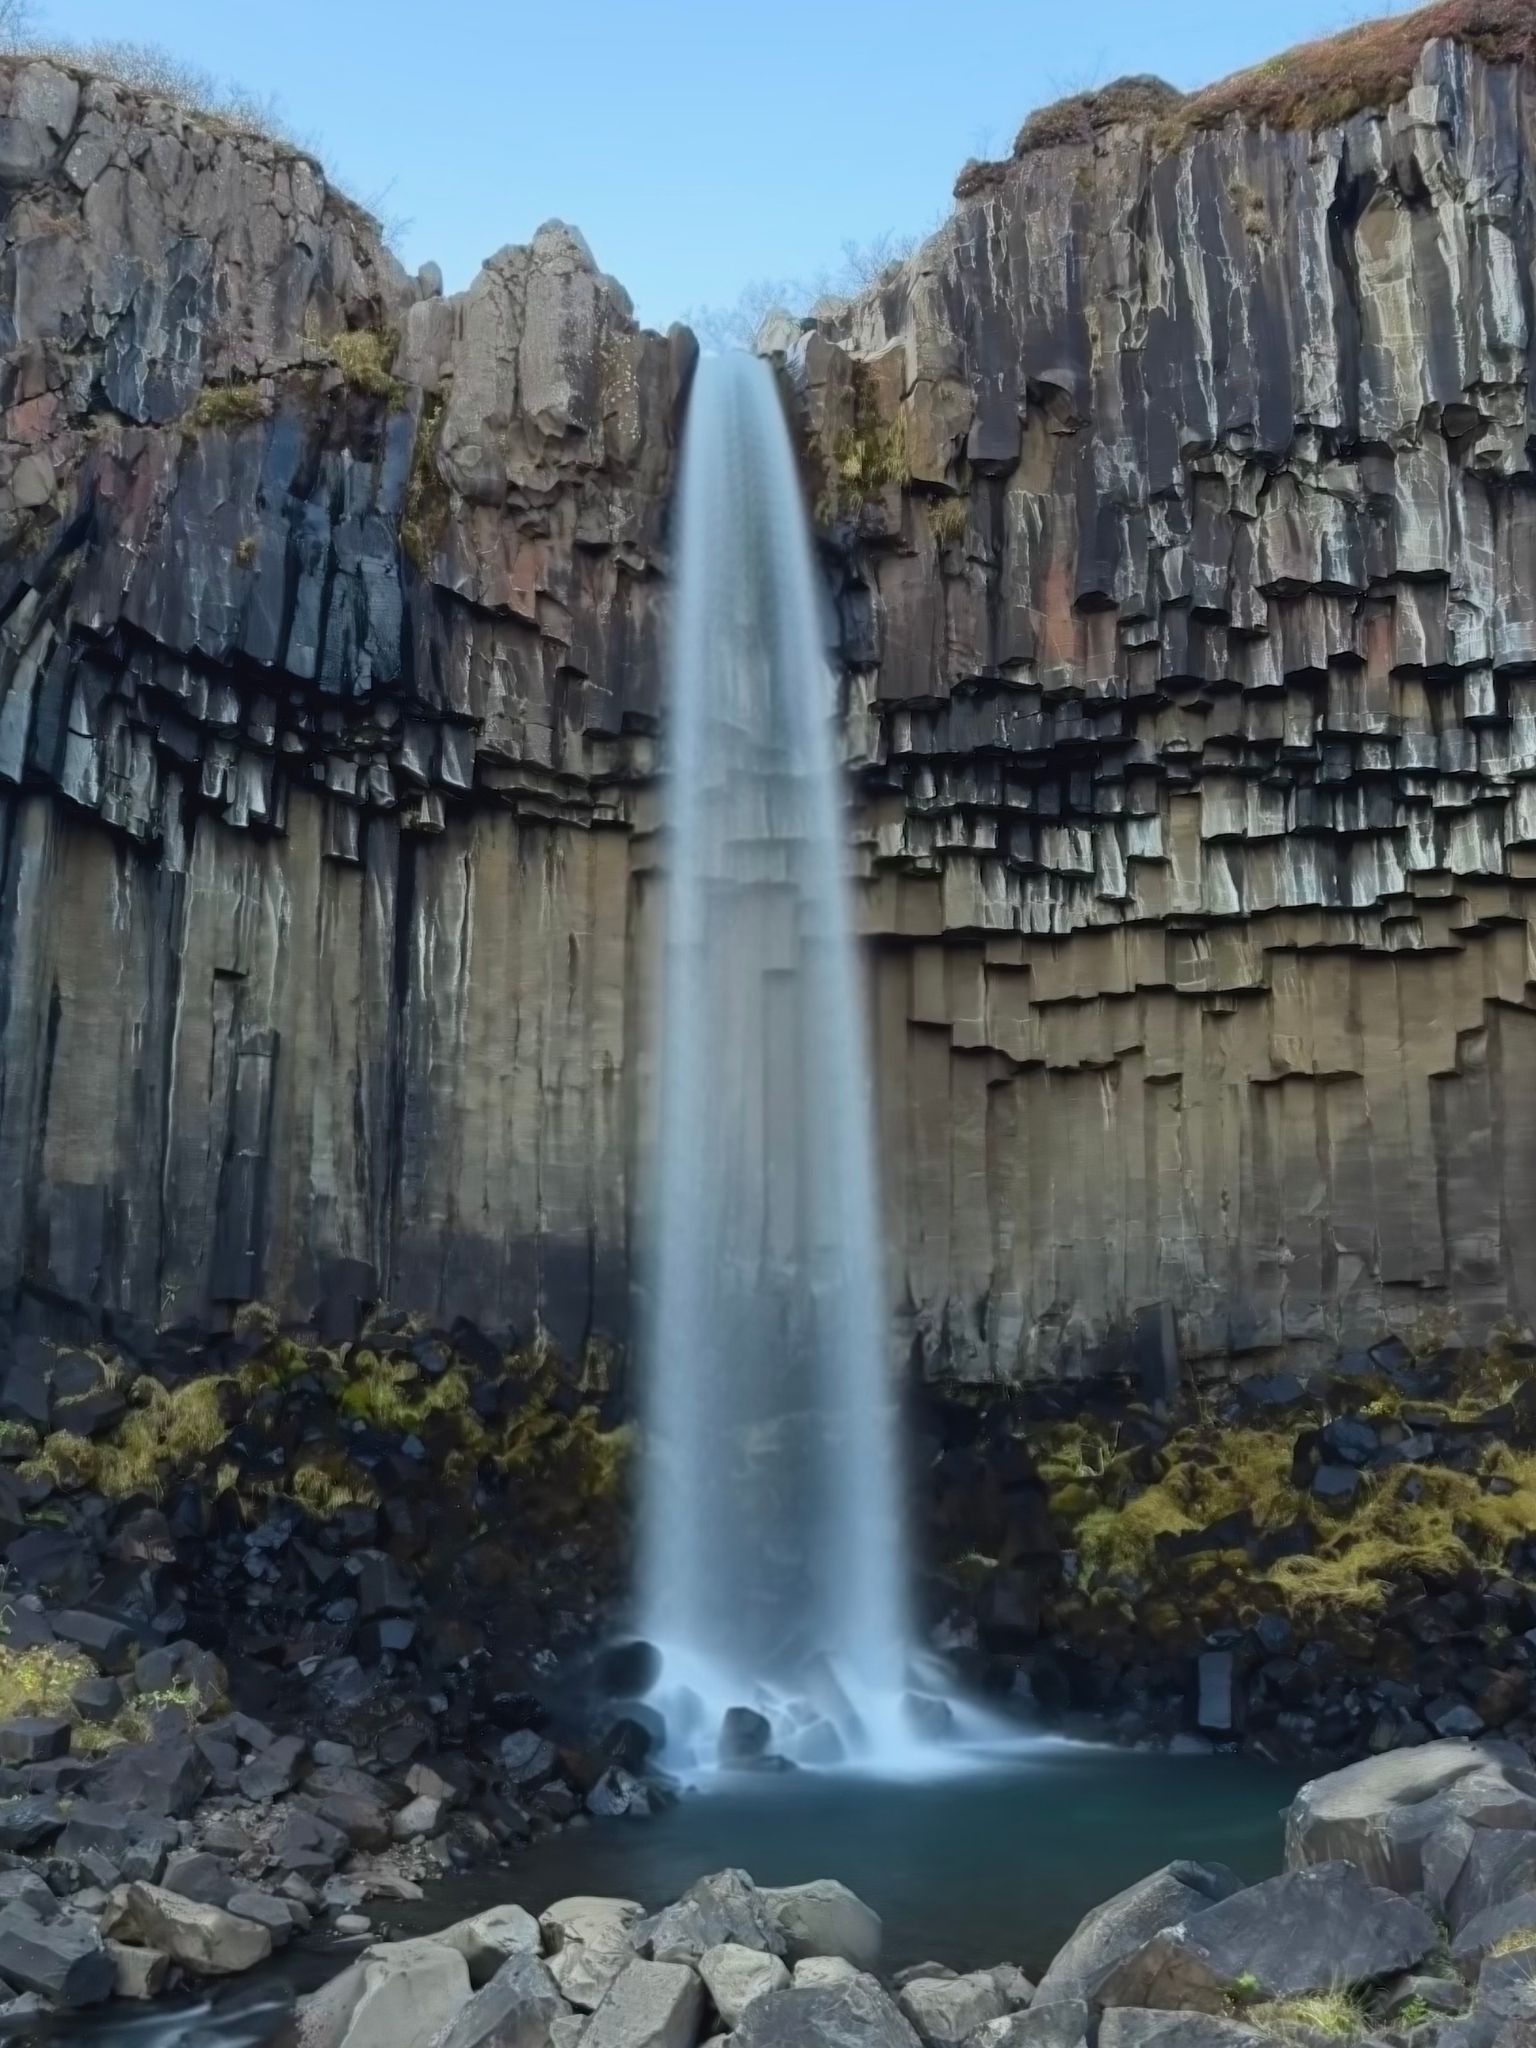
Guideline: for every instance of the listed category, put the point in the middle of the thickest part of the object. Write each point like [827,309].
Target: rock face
[1190,683]
[1188,641]
[314,840]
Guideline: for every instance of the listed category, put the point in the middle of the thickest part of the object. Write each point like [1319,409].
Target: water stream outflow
[774,1571]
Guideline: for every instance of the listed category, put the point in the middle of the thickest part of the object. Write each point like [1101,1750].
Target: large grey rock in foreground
[400,1994]
[1467,1870]
[588,1941]
[858,2014]
[202,1938]
[734,1976]
[948,2011]
[1125,1923]
[1325,1928]
[61,1958]
[1066,2024]
[1496,1924]
[516,2009]
[649,2005]
[824,1918]
[486,1940]
[1127,2026]
[1379,1813]
[724,1907]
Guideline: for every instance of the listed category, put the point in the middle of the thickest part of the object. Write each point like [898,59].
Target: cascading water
[774,1574]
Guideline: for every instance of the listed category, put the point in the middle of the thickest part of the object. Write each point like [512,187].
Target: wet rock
[588,1940]
[526,1759]
[136,1844]
[1324,1928]
[616,1793]
[1473,1941]
[307,1845]
[33,1739]
[197,1875]
[824,1918]
[725,1907]
[366,1823]
[734,1976]
[816,1973]
[946,2014]
[97,1699]
[28,1823]
[857,2014]
[628,1671]
[417,1820]
[383,1587]
[1451,1716]
[1122,1926]
[137,1972]
[396,1995]
[744,1736]
[203,1939]
[1379,1814]
[489,1939]
[649,2005]
[60,1957]
[517,2008]
[1066,2024]
[273,1771]
[1216,1707]
[1126,2027]
[1490,1865]
[274,1914]
[166,1777]
[107,1641]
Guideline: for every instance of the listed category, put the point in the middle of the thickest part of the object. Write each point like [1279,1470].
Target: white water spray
[774,1568]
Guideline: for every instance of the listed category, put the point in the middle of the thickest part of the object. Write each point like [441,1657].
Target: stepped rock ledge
[1178,504]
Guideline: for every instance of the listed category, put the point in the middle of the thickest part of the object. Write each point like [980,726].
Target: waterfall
[773,1567]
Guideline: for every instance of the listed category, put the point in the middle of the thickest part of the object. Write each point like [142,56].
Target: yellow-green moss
[866,456]
[325,1482]
[948,519]
[229,405]
[39,1680]
[163,1434]
[394,1394]
[1207,1478]
[365,357]
[1336,2013]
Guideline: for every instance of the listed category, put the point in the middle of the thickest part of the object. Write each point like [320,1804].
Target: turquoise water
[993,1866]
[988,1867]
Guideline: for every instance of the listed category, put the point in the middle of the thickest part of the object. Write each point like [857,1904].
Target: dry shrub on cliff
[365,357]
[1370,65]
[1081,115]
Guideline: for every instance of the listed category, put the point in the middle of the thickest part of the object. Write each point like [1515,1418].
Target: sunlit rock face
[1192,689]
[315,872]
[1190,651]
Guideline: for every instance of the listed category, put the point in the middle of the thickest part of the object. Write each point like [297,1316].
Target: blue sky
[700,145]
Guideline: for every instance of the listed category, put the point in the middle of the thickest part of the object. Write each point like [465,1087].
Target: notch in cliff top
[1367,66]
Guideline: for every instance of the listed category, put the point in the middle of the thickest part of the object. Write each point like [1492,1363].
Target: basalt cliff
[1178,506]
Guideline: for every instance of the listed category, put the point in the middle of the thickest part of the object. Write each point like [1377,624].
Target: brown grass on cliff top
[1311,86]
[1370,65]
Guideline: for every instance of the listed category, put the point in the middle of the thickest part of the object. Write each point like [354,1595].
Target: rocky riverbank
[288,1628]
[1305,1568]
[1405,1916]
